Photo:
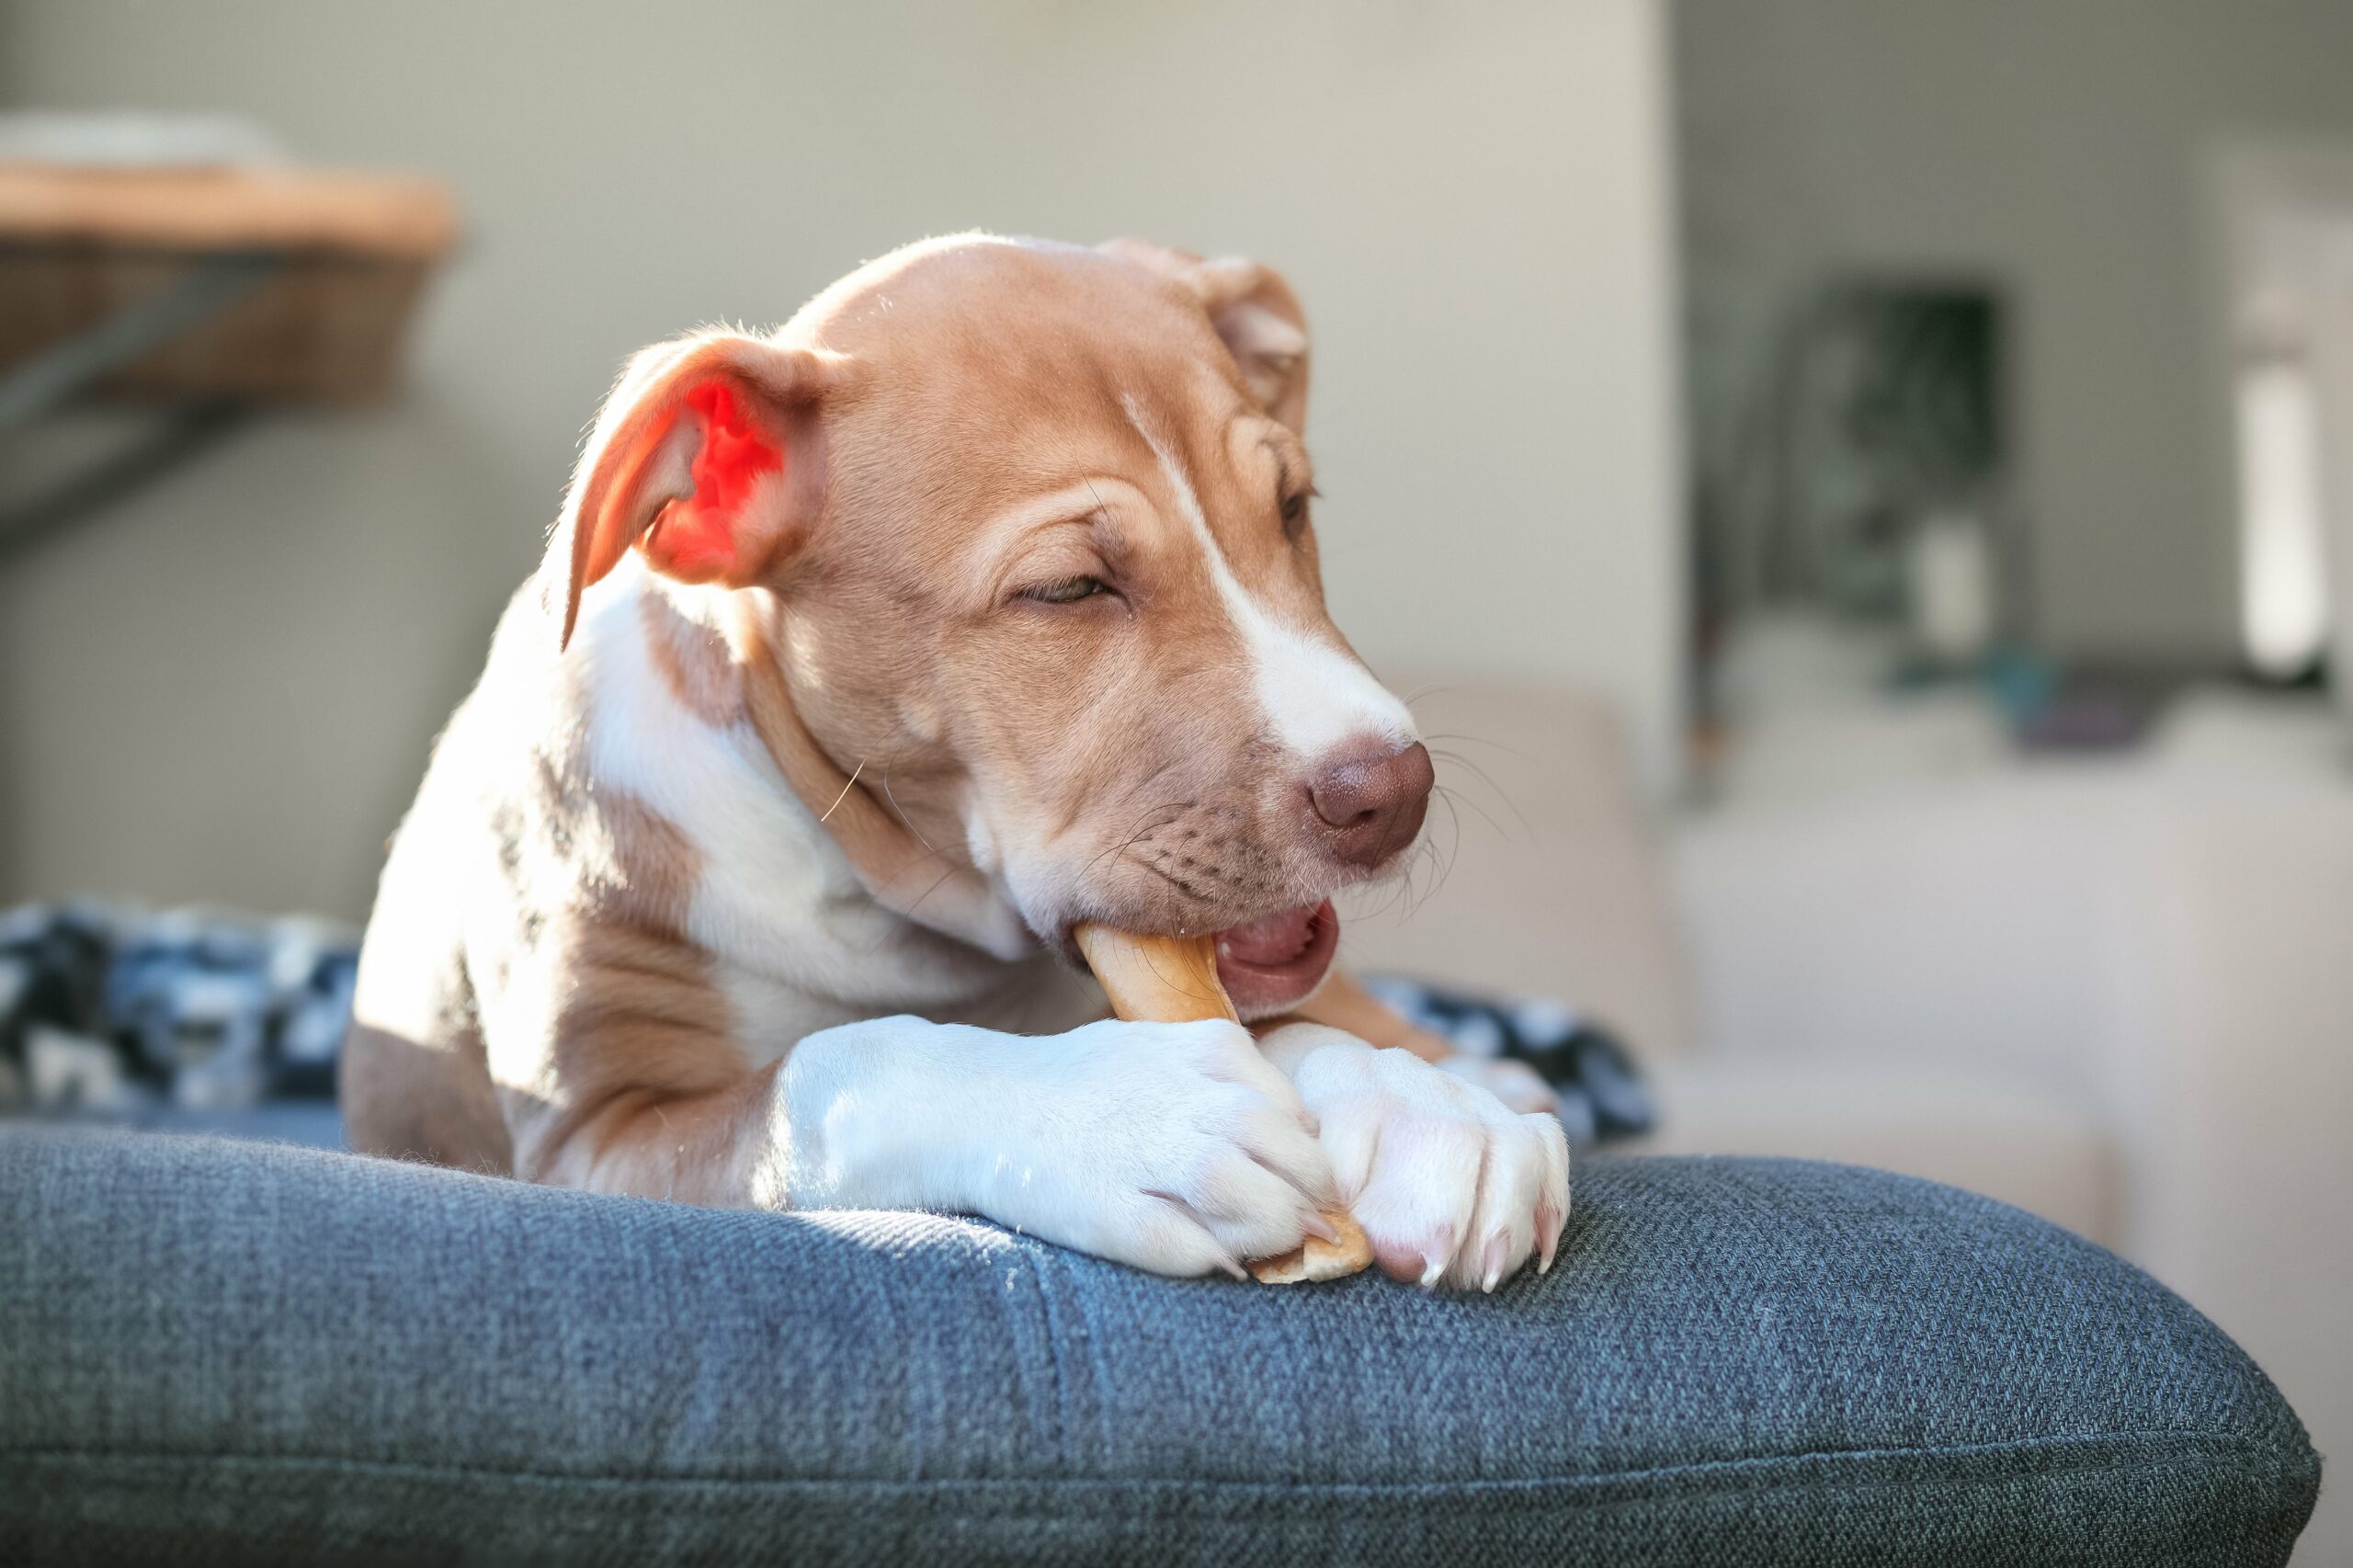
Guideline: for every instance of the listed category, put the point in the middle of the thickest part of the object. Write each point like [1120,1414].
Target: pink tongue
[1272,942]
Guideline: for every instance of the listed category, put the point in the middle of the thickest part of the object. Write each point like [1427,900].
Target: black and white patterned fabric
[107,1008]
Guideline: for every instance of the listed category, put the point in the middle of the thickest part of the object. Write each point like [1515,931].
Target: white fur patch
[1315,697]
[778,903]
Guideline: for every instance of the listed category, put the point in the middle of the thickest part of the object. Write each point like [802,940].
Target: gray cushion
[235,1352]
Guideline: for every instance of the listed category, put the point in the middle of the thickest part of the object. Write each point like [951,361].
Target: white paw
[1451,1185]
[1176,1148]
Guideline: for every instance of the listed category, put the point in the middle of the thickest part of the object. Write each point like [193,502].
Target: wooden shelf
[207,292]
[347,257]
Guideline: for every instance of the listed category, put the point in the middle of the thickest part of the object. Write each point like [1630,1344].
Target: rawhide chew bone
[1172,980]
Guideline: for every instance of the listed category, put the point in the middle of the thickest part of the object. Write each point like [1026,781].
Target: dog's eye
[1295,512]
[1067,592]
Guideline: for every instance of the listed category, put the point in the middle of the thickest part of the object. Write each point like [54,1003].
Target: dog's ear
[689,462]
[1254,310]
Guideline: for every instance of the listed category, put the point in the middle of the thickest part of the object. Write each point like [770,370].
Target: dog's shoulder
[623,781]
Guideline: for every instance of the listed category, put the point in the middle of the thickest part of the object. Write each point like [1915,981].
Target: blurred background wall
[224,690]
[2052,149]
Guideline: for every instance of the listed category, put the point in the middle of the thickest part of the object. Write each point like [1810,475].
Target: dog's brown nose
[1368,801]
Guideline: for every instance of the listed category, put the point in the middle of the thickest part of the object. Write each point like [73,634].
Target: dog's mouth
[1272,962]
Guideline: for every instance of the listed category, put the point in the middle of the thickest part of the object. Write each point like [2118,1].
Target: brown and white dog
[868,658]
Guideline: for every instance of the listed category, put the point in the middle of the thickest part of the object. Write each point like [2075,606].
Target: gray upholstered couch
[241,1352]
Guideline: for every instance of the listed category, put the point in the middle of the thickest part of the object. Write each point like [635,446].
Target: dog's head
[1027,531]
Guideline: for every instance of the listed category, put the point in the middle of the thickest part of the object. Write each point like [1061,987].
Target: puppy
[868,658]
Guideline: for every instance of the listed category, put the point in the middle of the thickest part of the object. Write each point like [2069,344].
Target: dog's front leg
[1173,1147]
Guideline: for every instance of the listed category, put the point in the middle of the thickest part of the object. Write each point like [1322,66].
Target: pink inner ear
[695,538]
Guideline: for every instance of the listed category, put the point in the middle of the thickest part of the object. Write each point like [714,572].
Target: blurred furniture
[2115,993]
[201,292]
[1550,878]
[236,1353]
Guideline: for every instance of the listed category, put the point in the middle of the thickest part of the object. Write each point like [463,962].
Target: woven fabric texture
[238,1353]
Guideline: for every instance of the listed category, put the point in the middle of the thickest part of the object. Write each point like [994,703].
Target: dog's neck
[673,719]
[900,871]
[722,658]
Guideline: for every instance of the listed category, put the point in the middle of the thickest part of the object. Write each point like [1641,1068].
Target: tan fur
[414,1101]
[640,1042]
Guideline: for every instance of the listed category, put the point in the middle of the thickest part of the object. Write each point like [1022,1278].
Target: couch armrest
[2005,1140]
[250,1353]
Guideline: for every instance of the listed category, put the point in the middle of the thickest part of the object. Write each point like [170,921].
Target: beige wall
[224,690]
[2058,148]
